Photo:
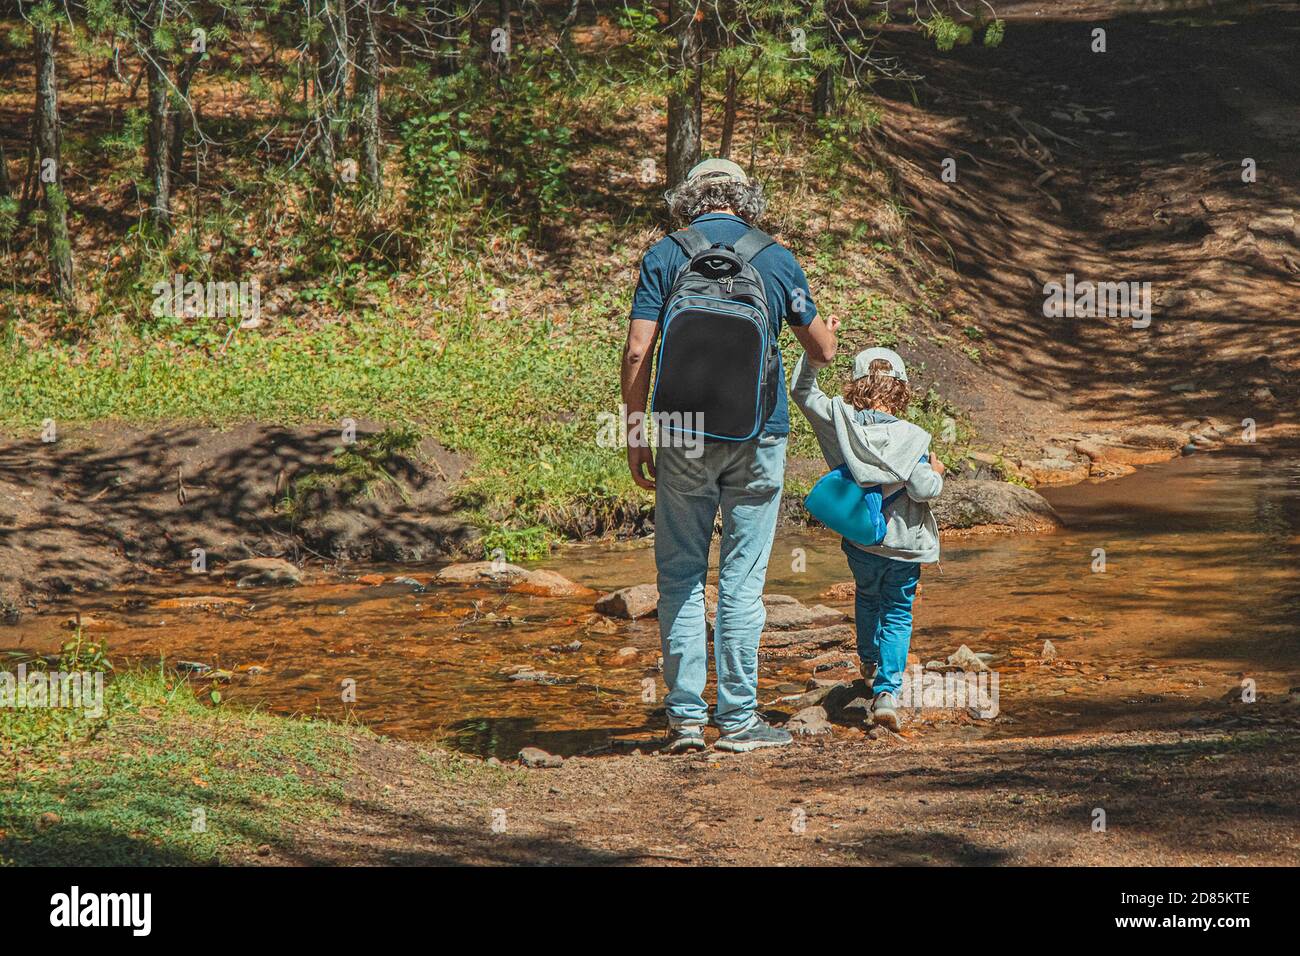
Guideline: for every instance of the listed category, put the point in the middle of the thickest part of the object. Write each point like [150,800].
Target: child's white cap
[862,363]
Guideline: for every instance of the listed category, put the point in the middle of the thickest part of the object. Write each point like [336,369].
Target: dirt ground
[1123,166]
[1188,796]
[111,502]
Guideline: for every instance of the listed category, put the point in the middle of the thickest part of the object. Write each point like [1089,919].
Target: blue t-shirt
[788,297]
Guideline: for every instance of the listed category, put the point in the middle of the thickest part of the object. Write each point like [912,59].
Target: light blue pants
[744,479]
[882,614]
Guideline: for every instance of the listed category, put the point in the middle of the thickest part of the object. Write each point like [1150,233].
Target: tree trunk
[6,187]
[684,99]
[158,163]
[49,169]
[184,116]
[368,99]
[824,93]
[501,57]
[729,114]
[331,81]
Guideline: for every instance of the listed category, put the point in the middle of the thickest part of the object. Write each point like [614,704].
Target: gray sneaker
[682,739]
[757,735]
[884,711]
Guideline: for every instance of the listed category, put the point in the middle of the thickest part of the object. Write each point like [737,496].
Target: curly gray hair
[707,194]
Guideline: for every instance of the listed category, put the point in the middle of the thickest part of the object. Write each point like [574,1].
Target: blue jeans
[744,479]
[882,613]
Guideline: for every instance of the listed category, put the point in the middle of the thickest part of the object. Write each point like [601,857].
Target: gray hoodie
[879,450]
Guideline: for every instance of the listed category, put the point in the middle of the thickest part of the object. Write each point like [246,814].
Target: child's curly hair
[879,390]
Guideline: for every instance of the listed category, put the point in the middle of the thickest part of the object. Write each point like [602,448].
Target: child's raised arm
[810,399]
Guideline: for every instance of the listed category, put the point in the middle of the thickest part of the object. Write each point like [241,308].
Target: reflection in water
[1199,589]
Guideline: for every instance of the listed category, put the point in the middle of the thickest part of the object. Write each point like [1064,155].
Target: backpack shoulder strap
[752,243]
[691,241]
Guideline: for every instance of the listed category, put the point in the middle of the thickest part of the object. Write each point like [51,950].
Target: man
[742,478]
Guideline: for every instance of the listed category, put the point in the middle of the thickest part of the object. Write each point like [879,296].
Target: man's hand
[937,465]
[641,460]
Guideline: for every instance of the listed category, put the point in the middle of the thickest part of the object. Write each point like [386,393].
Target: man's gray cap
[717,169]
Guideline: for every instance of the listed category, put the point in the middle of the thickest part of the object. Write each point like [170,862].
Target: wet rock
[537,758]
[641,600]
[263,572]
[530,675]
[1054,471]
[967,660]
[569,648]
[832,662]
[842,592]
[192,667]
[626,653]
[374,580]
[1049,651]
[411,583]
[1144,445]
[967,503]
[549,584]
[204,601]
[811,721]
[480,572]
[817,695]
[811,637]
[786,614]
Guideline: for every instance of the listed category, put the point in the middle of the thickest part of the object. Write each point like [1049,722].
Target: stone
[1055,471]
[537,758]
[549,584]
[967,660]
[811,721]
[842,592]
[480,572]
[809,637]
[263,572]
[1049,651]
[569,648]
[970,502]
[640,600]
[531,675]
[789,615]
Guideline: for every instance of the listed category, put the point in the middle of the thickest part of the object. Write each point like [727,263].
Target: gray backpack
[718,368]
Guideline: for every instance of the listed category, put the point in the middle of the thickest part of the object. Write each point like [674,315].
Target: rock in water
[480,572]
[263,572]
[1049,651]
[549,584]
[810,721]
[641,600]
[536,757]
[969,502]
[967,660]
[788,614]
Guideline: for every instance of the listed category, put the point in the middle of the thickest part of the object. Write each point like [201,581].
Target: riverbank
[165,780]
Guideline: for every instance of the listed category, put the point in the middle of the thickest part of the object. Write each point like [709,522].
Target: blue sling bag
[849,509]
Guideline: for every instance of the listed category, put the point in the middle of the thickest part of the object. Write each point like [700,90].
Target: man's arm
[818,340]
[641,335]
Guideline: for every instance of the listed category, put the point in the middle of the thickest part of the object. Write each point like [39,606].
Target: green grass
[130,787]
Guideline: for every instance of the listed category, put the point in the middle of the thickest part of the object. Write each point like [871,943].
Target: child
[864,431]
